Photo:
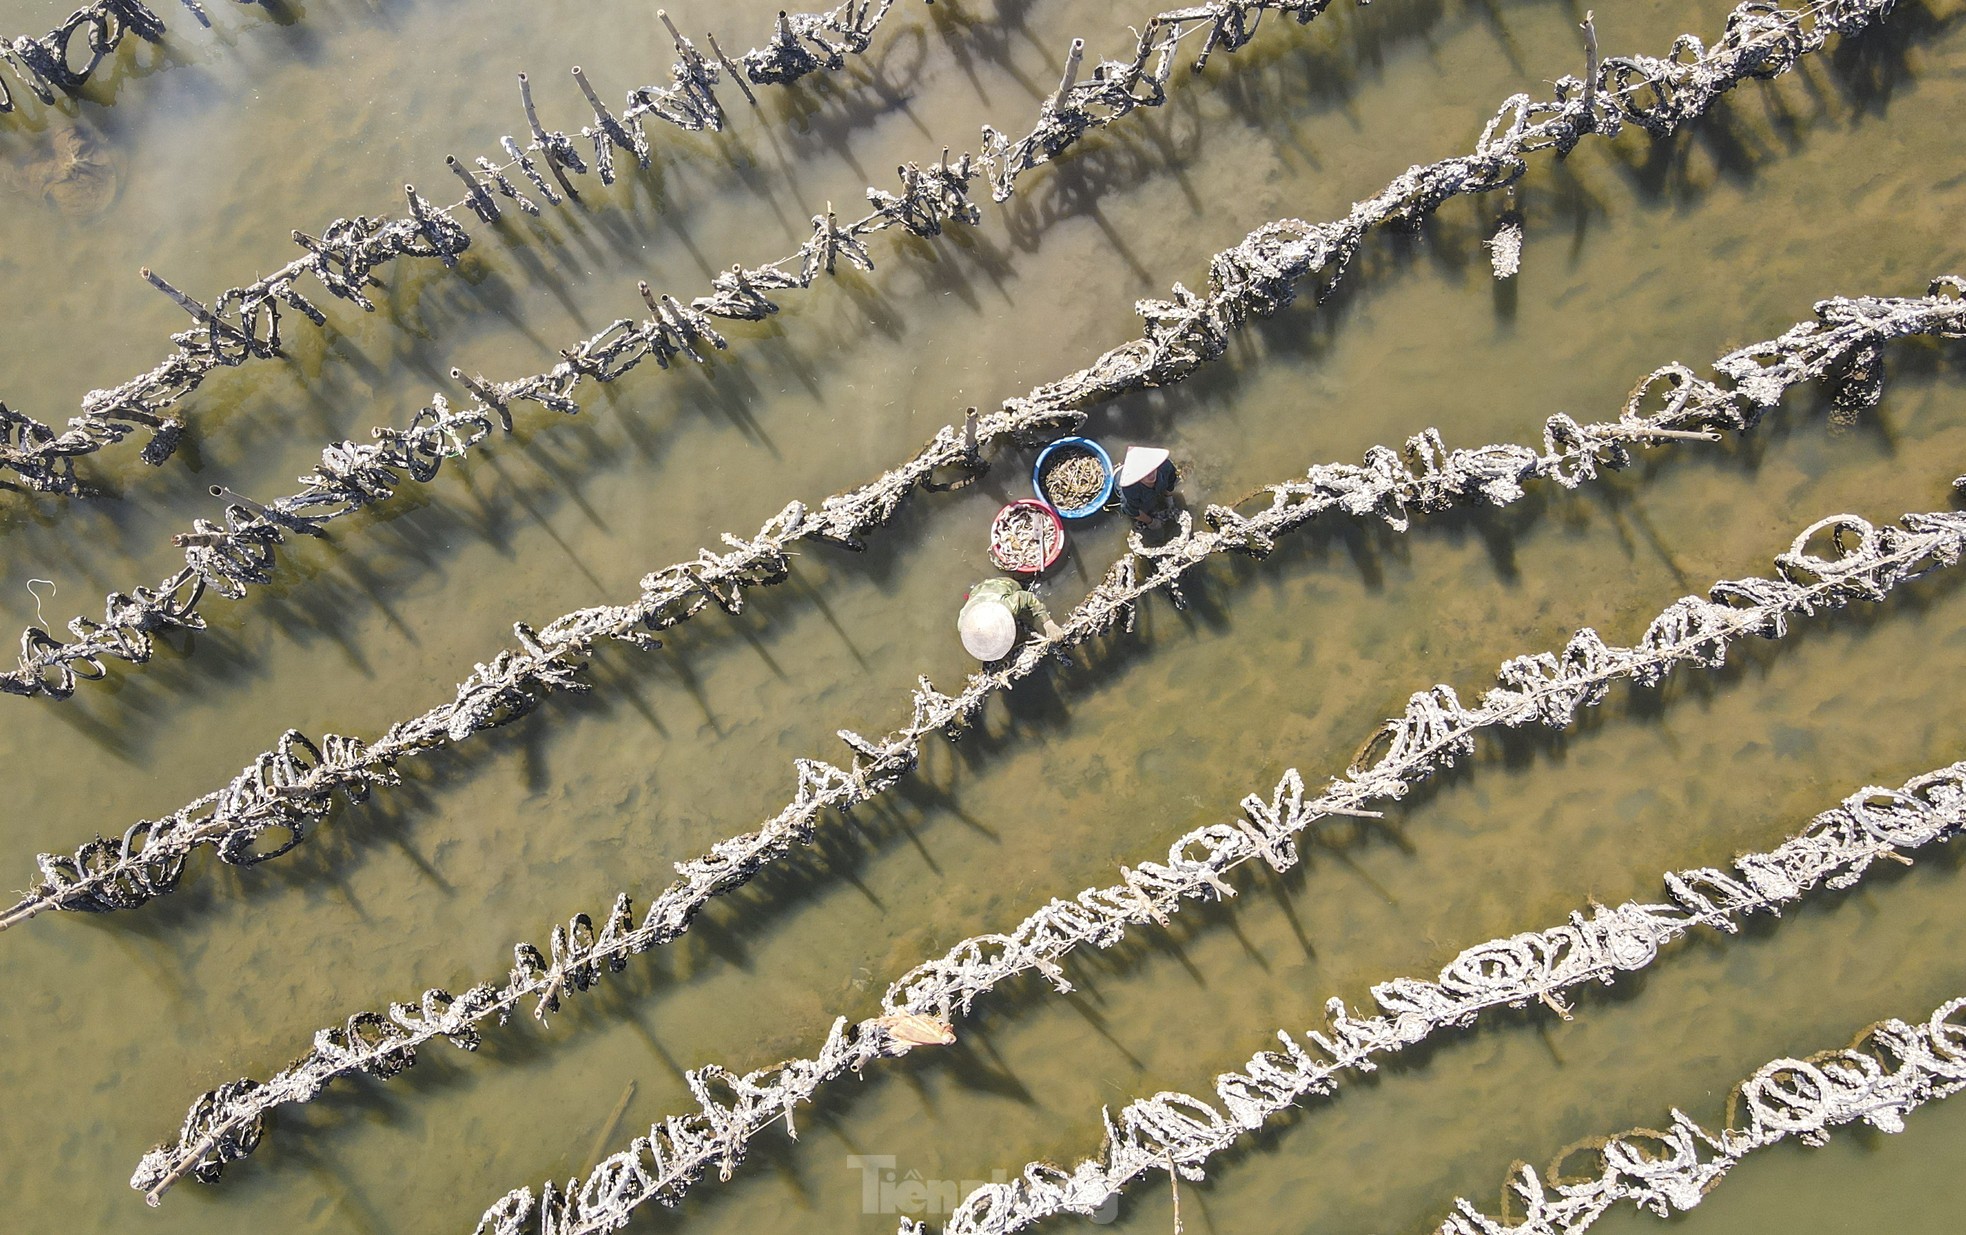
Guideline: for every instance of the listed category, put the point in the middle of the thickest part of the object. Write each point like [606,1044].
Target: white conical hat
[1140,463]
[989,629]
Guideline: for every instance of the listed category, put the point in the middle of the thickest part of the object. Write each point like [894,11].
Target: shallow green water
[1846,178]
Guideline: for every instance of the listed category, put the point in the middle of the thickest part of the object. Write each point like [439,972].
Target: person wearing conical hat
[992,615]
[1146,478]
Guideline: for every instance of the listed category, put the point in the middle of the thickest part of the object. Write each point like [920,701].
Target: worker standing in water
[993,613]
[1147,478]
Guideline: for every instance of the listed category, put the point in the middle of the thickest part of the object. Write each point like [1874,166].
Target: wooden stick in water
[1174,1186]
[608,1129]
[1071,77]
[730,66]
[1589,27]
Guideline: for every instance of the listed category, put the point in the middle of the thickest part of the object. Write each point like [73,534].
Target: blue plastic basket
[1105,464]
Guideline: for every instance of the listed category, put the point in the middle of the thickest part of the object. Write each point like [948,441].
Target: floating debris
[68,170]
[1505,246]
[1889,1070]
[1182,1131]
[908,1030]
[1834,850]
[225,1124]
[1254,278]
[52,590]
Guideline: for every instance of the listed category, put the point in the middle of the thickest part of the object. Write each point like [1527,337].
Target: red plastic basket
[1051,536]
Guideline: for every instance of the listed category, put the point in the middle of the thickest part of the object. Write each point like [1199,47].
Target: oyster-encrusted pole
[1889,1070]
[288,789]
[1589,27]
[47,64]
[348,252]
[1833,852]
[1120,85]
[1255,278]
[225,1124]
[241,553]
[242,323]
[1435,733]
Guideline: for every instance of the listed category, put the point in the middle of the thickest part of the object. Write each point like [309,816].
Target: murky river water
[1845,178]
